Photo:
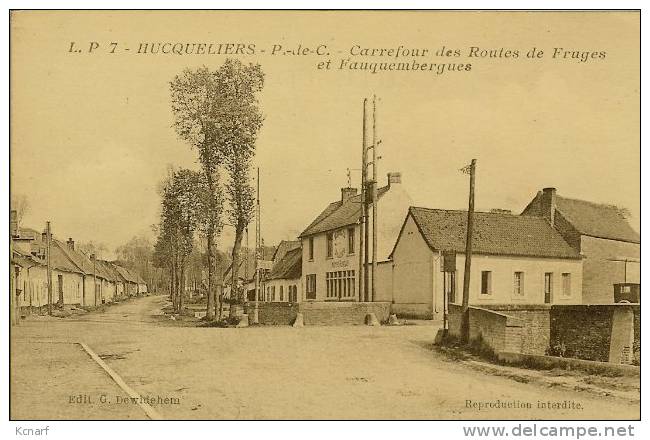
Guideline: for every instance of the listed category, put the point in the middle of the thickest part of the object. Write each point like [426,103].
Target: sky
[92,136]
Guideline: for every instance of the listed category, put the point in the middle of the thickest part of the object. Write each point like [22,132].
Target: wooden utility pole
[468,253]
[48,247]
[366,214]
[375,143]
[256,316]
[363,218]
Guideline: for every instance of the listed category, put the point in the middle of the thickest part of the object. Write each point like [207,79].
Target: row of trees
[217,113]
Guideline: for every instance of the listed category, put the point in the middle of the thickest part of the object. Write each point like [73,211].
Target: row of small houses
[77,278]
[557,251]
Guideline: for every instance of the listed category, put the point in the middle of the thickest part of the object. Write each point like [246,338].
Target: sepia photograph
[325,215]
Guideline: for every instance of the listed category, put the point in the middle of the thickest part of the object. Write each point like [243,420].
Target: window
[311,248]
[450,286]
[310,286]
[330,244]
[350,240]
[519,284]
[340,285]
[566,284]
[548,287]
[294,295]
[486,282]
[281,293]
[272,293]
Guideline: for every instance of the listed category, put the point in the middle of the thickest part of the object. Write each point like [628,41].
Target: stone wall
[319,313]
[585,331]
[274,313]
[342,313]
[537,324]
[498,331]
[579,331]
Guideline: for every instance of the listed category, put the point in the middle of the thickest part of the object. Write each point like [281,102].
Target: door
[60,288]
[548,287]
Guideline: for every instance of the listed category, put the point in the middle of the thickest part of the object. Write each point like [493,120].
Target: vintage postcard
[325,215]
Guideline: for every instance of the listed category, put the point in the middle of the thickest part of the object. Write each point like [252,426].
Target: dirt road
[354,372]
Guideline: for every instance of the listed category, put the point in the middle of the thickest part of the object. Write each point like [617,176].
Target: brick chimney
[347,193]
[549,204]
[394,178]
[70,244]
[13,223]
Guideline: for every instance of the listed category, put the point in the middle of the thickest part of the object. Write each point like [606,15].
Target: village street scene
[334,276]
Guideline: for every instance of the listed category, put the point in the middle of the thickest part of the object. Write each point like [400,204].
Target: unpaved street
[262,373]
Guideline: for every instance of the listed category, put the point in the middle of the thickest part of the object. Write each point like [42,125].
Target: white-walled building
[515,260]
[284,284]
[603,236]
[331,243]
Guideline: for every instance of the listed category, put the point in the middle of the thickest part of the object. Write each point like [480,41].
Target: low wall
[319,313]
[602,332]
[497,330]
[342,313]
[412,310]
[274,313]
[537,324]
[589,332]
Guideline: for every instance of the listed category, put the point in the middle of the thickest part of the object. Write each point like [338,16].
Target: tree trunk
[172,284]
[209,313]
[182,288]
[235,291]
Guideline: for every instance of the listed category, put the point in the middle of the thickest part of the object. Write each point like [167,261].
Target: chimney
[549,205]
[70,244]
[13,223]
[347,193]
[394,178]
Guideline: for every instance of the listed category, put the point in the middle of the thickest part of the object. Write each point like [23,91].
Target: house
[515,260]
[331,244]
[246,273]
[31,265]
[142,284]
[283,283]
[601,234]
[128,279]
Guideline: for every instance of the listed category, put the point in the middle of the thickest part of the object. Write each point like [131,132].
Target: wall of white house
[419,283]
[278,290]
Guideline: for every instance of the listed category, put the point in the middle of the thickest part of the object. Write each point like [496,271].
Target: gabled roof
[289,267]
[59,258]
[597,220]
[284,247]
[126,274]
[339,214]
[493,234]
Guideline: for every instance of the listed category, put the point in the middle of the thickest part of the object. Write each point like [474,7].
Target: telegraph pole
[468,252]
[48,246]
[256,315]
[375,143]
[363,219]
[366,213]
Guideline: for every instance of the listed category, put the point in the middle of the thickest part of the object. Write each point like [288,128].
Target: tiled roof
[339,214]
[494,233]
[289,267]
[284,247]
[126,274]
[267,255]
[597,220]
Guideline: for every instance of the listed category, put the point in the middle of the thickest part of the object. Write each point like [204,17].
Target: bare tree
[20,204]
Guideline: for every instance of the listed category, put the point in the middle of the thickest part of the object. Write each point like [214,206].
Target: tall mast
[362,219]
[375,144]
